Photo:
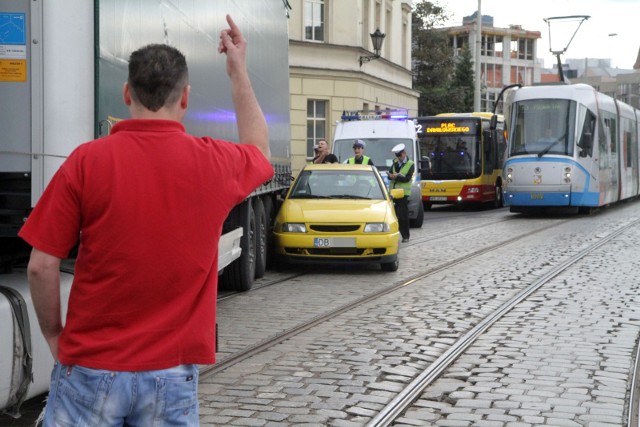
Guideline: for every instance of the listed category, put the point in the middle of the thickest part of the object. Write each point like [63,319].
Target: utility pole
[476,91]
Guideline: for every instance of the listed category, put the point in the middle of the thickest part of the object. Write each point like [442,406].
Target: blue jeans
[83,397]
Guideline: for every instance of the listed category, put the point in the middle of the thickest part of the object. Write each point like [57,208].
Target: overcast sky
[593,39]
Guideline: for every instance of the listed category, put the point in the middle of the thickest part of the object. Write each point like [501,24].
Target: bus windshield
[452,148]
[542,126]
[378,149]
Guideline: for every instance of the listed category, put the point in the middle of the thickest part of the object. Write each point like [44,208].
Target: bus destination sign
[448,127]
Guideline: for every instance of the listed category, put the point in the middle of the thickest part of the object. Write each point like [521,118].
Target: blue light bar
[396,114]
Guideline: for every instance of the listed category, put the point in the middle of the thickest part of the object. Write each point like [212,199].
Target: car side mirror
[397,193]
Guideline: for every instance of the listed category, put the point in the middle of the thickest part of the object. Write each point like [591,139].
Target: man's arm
[43,273]
[252,126]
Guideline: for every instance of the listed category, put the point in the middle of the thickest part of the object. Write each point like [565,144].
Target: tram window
[587,124]
[628,138]
[614,136]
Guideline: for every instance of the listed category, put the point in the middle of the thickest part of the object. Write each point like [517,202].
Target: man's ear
[184,99]
[126,95]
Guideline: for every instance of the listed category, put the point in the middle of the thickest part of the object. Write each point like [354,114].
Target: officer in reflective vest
[358,151]
[400,175]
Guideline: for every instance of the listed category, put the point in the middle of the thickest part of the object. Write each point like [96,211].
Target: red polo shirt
[148,203]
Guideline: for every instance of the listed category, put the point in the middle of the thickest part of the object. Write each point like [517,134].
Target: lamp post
[377,37]
[477,66]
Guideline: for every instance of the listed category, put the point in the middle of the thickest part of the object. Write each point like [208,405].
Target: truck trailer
[63,64]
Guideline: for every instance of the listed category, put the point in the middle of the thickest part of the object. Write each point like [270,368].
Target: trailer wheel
[261,237]
[240,274]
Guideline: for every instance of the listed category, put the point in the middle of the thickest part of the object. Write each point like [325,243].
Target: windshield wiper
[546,150]
[348,196]
[309,196]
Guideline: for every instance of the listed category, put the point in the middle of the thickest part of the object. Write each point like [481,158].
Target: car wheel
[269,212]
[389,266]
[419,219]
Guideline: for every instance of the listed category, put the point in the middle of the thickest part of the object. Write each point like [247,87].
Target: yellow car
[338,213]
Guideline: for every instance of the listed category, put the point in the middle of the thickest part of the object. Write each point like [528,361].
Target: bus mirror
[493,124]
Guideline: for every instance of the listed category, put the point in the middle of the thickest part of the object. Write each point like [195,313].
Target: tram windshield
[543,126]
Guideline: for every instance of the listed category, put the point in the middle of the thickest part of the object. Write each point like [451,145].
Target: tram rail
[240,356]
[412,391]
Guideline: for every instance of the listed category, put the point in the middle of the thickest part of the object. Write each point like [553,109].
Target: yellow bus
[462,157]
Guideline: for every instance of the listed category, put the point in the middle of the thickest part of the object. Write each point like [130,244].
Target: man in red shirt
[147,204]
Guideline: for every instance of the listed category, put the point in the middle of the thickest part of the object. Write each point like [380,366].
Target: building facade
[618,83]
[508,55]
[327,41]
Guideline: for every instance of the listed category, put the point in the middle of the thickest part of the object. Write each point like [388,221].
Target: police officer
[358,151]
[400,175]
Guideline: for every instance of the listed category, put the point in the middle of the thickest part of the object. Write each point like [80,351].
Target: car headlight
[293,227]
[376,227]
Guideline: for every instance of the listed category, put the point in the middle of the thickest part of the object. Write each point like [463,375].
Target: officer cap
[398,148]
[359,143]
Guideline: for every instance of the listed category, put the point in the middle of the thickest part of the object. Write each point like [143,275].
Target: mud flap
[22,373]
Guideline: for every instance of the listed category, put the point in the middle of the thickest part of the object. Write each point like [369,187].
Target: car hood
[336,211]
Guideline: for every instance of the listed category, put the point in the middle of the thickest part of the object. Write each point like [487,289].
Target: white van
[381,131]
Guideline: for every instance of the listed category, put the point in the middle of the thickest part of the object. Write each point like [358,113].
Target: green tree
[463,79]
[441,81]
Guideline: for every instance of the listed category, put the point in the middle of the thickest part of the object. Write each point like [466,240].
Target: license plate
[537,196]
[438,198]
[334,242]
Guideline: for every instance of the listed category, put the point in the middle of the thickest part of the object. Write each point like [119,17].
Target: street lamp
[377,38]
[557,51]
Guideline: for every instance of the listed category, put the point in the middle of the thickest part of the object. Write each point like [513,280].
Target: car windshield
[378,149]
[337,184]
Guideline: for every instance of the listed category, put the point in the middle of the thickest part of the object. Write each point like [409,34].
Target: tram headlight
[567,174]
[509,175]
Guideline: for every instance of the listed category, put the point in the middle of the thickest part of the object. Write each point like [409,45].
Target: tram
[464,154]
[569,147]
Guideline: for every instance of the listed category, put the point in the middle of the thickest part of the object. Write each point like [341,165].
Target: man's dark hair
[157,75]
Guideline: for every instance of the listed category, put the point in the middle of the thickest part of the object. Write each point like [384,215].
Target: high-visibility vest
[365,160]
[404,170]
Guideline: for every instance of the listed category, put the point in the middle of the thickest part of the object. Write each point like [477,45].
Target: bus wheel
[261,237]
[240,274]
[498,201]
